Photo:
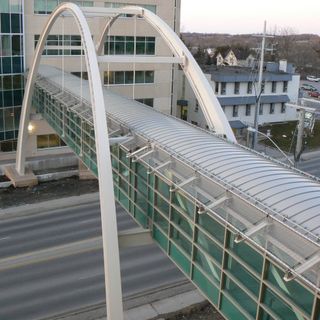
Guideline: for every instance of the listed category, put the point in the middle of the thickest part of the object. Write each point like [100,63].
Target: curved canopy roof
[286,192]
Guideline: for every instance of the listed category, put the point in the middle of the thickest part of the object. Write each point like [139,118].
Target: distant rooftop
[245,74]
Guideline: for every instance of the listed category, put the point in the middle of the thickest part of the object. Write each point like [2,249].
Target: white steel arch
[208,102]
[107,201]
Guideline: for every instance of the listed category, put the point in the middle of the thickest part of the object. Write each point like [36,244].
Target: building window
[128,77]
[126,45]
[285,86]
[271,108]
[261,109]
[236,87]
[59,40]
[147,101]
[196,108]
[223,87]
[248,109]
[274,87]
[249,87]
[150,7]
[235,111]
[216,90]
[49,141]
[8,146]
[283,107]
[47,6]
[263,84]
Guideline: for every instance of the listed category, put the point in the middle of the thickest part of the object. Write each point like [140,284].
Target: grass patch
[282,135]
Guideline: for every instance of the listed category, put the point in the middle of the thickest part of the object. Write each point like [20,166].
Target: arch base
[29,179]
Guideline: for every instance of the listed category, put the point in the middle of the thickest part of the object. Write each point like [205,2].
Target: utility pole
[300,134]
[256,115]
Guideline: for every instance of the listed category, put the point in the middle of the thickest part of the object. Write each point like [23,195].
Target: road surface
[40,290]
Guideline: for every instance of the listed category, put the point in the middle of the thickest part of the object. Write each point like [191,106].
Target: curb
[50,205]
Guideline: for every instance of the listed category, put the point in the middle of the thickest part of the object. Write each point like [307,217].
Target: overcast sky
[247,16]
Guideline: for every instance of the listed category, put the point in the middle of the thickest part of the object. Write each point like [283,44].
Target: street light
[250,129]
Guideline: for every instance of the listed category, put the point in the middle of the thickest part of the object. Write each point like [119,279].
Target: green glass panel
[292,289]
[183,203]
[163,188]
[141,171]
[211,226]
[141,201]
[205,286]
[179,258]
[181,240]
[123,156]
[208,266]
[243,276]
[240,296]
[264,315]
[123,184]
[181,221]
[141,186]
[160,238]
[124,170]
[209,246]
[115,163]
[141,217]
[279,307]
[161,221]
[230,311]
[162,205]
[123,199]
[246,253]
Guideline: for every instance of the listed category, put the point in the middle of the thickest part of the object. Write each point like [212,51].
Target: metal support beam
[132,154]
[182,184]
[250,232]
[307,265]
[162,165]
[118,140]
[137,158]
[138,59]
[214,204]
[135,237]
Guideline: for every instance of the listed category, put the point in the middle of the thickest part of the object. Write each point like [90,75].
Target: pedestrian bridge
[243,228]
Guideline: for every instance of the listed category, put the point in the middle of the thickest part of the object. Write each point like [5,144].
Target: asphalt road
[311,166]
[40,290]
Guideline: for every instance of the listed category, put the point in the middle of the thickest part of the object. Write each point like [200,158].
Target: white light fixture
[30,128]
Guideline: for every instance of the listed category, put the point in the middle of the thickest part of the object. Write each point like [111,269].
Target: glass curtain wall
[11,71]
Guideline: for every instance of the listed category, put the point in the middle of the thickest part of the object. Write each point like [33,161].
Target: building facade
[149,83]
[236,89]
[11,71]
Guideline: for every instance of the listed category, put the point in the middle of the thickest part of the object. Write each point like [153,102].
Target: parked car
[308,87]
[314,94]
[313,78]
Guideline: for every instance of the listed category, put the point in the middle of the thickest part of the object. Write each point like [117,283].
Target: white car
[313,78]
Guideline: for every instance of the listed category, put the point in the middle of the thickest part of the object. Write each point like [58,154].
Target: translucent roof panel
[285,191]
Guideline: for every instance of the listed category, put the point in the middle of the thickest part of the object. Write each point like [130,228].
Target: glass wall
[127,45]
[237,278]
[55,44]
[47,6]
[11,71]
[128,77]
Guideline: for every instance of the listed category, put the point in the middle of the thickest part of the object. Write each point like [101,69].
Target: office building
[21,25]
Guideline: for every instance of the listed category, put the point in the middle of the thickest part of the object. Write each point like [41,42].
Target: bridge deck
[201,197]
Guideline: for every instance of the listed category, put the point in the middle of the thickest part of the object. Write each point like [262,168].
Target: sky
[247,16]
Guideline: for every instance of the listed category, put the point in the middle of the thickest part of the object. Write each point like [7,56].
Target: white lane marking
[5,238]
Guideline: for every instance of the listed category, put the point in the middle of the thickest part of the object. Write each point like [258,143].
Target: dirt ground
[46,191]
[205,313]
